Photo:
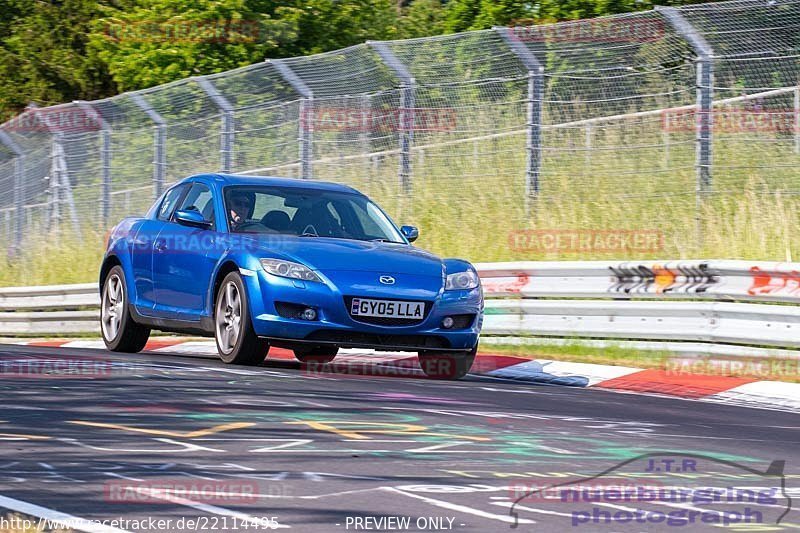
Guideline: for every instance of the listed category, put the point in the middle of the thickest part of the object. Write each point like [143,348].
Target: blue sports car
[304,265]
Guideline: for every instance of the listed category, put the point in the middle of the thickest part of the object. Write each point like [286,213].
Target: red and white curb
[740,391]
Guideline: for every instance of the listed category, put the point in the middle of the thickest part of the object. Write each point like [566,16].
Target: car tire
[316,354]
[120,332]
[237,342]
[447,365]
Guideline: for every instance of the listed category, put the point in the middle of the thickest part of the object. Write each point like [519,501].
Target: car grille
[345,338]
[385,321]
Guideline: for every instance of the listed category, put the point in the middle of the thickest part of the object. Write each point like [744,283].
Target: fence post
[533,144]
[587,145]
[159,141]
[406,118]
[228,130]
[705,88]
[105,158]
[305,117]
[59,174]
[365,102]
[797,119]
[19,183]
[59,180]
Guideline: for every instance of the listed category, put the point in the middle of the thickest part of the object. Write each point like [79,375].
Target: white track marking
[592,372]
[120,476]
[213,509]
[68,520]
[287,443]
[459,508]
[186,447]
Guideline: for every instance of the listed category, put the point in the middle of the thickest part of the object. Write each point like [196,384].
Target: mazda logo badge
[387,280]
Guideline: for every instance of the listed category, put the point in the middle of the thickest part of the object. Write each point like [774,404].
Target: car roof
[275,181]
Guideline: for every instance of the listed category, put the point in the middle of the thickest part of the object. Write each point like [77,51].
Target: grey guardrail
[737,302]
[49,309]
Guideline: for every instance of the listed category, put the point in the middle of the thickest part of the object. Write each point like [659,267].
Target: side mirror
[410,232]
[191,218]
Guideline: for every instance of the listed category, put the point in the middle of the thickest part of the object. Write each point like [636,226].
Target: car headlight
[462,280]
[288,269]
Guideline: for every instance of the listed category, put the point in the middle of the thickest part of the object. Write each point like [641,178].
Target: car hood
[326,254]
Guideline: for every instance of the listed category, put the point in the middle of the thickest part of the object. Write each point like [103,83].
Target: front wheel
[446,365]
[120,332]
[237,342]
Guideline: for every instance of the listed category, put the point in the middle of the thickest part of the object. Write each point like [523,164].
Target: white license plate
[387,309]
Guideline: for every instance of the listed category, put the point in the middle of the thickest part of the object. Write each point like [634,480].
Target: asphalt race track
[288,447]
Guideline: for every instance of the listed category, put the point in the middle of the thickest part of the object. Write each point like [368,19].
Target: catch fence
[642,120]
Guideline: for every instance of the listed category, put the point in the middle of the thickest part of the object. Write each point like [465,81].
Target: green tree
[324,25]
[501,13]
[422,18]
[44,56]
[158,41]
[461,14]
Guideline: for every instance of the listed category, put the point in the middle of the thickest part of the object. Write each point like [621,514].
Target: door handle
[160,245]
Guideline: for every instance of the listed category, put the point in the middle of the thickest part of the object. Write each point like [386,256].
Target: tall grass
[469,198]
[53,258]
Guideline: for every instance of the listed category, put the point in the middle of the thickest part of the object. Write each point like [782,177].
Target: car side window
[200,199]
[169,202]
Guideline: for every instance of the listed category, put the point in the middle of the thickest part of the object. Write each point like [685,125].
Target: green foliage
[53,52]
[423,18]
[330,24]
[44,55]
[159,41]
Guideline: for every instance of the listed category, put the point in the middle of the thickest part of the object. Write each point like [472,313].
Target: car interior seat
[276,220]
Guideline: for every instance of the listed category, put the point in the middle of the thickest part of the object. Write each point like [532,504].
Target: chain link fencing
[681,121]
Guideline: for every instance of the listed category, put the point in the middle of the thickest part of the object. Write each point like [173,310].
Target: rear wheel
[446,365]
[316,354]
[120,332]
[237,342]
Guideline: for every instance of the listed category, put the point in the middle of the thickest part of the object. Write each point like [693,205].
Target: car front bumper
[334,324]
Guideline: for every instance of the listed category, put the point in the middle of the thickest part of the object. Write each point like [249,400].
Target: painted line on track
[56,517]
[208,508]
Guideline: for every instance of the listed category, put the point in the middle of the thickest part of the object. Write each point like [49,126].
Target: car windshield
[307,213]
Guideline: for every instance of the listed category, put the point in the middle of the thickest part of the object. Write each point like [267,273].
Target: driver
[240,206]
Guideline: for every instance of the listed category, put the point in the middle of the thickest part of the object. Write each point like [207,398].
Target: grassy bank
[750,225]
